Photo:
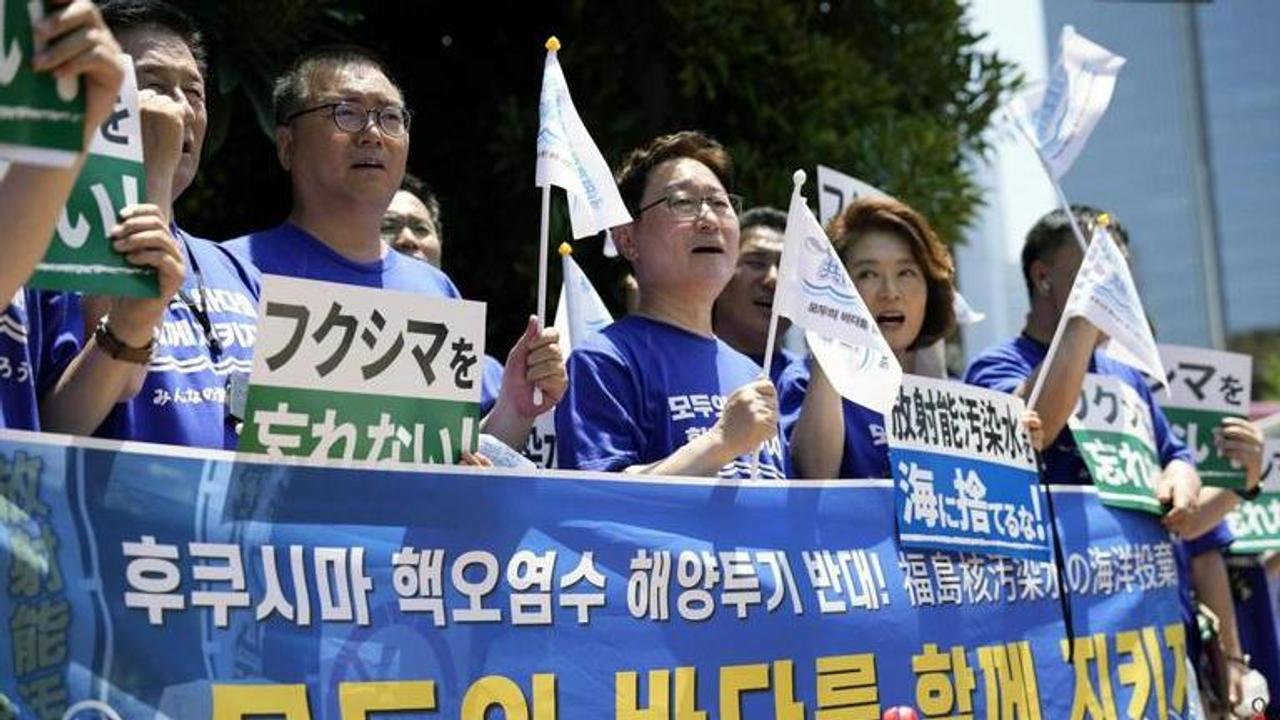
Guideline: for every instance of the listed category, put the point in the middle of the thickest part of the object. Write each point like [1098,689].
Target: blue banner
[170,582]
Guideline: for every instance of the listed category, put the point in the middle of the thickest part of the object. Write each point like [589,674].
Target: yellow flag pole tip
[1104,219]
[553,44]
[565,249]
[798,177]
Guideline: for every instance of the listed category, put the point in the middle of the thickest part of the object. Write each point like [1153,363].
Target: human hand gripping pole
[797,182]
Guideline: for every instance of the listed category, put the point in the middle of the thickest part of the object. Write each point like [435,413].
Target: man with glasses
[342,134]
[657,391]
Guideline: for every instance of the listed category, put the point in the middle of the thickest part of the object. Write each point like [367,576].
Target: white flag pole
[797,179]
[1057,189]
[542,272]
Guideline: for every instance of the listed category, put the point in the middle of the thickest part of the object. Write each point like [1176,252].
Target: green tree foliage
[897,92]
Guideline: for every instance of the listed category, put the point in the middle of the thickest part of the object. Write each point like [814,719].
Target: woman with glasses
[657,391]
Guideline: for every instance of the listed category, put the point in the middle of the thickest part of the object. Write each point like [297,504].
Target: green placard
[41,119]
[354,426]
[80,256]
[1122,468]
[1112,428]
[1256,524]
[1197,429]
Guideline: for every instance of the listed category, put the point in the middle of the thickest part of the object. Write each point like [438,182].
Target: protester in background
[49,380]
[745,306]
[657,391]
[342,134]
[905,276]
[412,225]
[1050,258]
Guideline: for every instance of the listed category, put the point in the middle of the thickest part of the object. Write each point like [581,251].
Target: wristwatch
[1249,494]
[116,348]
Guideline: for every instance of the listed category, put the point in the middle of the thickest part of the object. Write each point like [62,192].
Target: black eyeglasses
[352,117]
[687,206]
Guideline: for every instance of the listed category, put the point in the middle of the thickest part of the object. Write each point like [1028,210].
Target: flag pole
[797,180]
[542,270]
[1103,220]
[1057,189]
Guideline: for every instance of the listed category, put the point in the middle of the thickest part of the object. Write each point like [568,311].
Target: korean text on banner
[378,375]
[159,583]
[1112,428]
[964,471]
[41,118]
[81,258]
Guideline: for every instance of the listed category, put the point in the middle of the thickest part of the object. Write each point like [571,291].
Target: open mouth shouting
[891,320]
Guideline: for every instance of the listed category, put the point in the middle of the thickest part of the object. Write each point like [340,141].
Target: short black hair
[1054,228]
[633,174]
[418,187]
[124,15]
[293,86]
[763,216]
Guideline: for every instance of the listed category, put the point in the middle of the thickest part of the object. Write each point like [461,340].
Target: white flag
[816,292]
[580,313]
[584,311]
[569,159]
[1104,294]
[1058,117]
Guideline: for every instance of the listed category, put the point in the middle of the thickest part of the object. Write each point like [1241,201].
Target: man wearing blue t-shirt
[201,342]
[743,310]
[48,379]
[342,134]
[1050,258]
[657,391]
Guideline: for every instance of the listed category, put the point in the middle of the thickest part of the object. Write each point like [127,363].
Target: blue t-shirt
[866,445]
[289,250]
[1005,367]
[490,384]
[640,389]
[183,400]
[37,342]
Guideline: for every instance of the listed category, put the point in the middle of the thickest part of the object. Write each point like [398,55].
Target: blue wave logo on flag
[828,277]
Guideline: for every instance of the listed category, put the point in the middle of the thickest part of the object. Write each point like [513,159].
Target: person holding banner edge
[343,136]
[657,391]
